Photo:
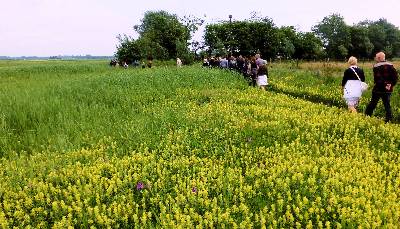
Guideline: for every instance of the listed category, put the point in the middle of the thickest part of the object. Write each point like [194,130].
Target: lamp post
[230,34]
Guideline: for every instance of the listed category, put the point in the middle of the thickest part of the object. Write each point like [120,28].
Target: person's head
[352,61]
[257,56]
[380,56]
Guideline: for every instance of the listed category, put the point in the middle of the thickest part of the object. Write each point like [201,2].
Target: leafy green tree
[299,45]
[152,49]
[288,40]
[265,36]
[243,37]
[183,52]
[164,29]
[309,47]
[384,36]
[360,45]
[161,36]
[335,35]
[193,23]
[128,49]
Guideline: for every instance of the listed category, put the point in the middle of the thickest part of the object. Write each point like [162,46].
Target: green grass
[87,145]
[61,106]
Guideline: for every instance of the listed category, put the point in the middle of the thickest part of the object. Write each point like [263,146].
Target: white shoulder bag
[363,85]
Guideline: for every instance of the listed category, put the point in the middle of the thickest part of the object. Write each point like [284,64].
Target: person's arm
[362,75]
[345,78]
[395,76]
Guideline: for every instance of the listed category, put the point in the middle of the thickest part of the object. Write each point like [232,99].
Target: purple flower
[139,186]
[194,190]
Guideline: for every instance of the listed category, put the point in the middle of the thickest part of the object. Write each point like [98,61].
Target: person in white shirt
[178,62]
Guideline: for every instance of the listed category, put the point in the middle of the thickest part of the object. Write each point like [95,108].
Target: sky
[91,27]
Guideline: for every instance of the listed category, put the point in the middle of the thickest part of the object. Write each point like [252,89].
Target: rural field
[86,145]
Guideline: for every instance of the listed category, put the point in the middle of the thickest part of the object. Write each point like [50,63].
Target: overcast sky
[80,27]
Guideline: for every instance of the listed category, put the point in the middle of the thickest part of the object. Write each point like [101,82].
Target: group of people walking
[135,63]
[254,68]
[385,78]
[255,71]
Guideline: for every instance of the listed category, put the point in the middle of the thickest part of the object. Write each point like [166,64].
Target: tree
[384,36]
[243,37]
[335,35]
[161,36]
[309,47]
[265,35]
[164,29]
[128,50]
[151,49]
[193,23]
[183,52]
[360,45]
[288,39]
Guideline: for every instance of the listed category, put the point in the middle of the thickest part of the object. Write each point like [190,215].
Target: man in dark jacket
[385,78]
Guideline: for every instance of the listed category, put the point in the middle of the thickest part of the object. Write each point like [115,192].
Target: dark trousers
[253,76]
[376,96]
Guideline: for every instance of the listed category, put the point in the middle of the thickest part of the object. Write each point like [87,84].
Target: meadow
[86,145]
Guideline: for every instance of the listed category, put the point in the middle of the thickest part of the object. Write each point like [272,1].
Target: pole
[230,34]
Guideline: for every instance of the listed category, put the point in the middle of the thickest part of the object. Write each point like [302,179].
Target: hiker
[385,78]
[351,84]
[260,61]
[253,72]
[223,63]
[113,63]
[262,77]
[178,62]
[149,63]
[206,64]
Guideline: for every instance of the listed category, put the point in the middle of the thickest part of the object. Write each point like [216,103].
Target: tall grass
[61,106]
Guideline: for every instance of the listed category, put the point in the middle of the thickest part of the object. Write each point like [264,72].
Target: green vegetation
[165,36]
[320,82]
[84,144]
[162,36]
[70,105]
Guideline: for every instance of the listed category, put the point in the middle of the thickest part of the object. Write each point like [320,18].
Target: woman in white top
[178,62]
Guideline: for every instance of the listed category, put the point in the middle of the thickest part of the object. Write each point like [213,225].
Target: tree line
[166,36]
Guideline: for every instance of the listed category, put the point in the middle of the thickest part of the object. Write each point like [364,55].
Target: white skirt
[352,89]
[262,80]
[352,101]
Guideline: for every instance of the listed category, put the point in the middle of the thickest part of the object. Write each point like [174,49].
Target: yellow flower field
[215,154]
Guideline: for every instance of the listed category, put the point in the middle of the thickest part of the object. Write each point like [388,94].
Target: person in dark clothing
[214,63]
[253,72]
[385,78]
[149,63]
[206,63]
[240,64]
[351,84]
[113,63]
[246,71]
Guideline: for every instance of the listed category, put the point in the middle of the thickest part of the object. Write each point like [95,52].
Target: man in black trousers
[385,78]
